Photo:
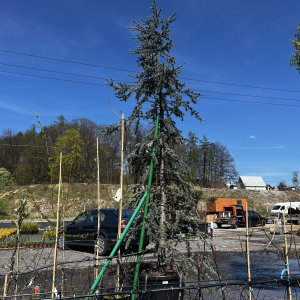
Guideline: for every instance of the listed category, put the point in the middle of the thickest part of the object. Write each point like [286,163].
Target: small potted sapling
[157,91]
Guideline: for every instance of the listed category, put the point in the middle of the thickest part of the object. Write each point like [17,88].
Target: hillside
[78,197]
[42,198]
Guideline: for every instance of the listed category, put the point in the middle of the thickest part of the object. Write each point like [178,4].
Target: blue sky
[246,43]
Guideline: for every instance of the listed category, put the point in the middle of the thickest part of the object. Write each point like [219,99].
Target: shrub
[3,208]
[29,228]
[49,233]
[4,232]
[6,179]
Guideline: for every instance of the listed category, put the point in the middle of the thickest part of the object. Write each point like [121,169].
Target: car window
[94,216]
[81,218]
[251,214]
[126,213]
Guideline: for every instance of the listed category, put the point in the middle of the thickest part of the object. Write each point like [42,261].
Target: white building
[251,183]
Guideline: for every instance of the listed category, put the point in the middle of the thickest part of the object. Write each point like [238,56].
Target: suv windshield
[126,213]
[276,207]
[82,217]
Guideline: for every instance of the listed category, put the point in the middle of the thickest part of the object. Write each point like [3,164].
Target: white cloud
[251,136]
[14,109]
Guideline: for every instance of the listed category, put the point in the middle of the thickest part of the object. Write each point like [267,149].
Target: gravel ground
[36,264]
[260,239]
[224,240]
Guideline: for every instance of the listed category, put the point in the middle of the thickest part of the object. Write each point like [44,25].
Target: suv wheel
[102,245]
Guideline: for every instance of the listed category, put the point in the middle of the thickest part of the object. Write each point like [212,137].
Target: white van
[283,207]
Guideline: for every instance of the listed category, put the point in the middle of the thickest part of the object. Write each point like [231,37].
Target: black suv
[254,219]
[82,231]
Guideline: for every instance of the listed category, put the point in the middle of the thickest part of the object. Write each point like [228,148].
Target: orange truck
[226,211]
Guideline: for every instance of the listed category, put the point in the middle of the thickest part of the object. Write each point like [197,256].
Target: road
[43,224]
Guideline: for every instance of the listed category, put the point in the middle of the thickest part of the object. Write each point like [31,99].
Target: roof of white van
[287,202]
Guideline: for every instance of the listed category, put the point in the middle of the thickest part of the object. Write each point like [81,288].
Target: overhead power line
[52,71]
[52,78]
[254,102]
[133,71]
[19,145]
[249,95]
[104,85]
[104,78]
[242,85]
[66,61]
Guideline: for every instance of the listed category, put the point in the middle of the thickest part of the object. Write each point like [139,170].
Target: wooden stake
[121,195]
[248,253]
[17,261]
[63,252]
[99,211]
[57,227]
[17,267]
[5,286]
[286,256]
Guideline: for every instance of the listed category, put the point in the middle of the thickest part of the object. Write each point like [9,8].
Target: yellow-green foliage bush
[29,227]
[49,233]
[4,232]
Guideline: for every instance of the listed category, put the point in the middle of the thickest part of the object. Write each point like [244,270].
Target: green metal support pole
[142,235]
[115,249]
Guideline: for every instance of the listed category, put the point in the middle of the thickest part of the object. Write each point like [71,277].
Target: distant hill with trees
[32,156]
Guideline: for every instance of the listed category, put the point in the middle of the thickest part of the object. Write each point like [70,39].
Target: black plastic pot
[160,287]
[118,297]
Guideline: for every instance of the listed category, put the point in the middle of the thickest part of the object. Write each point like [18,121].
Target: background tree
[70,144]
[88,131]
[158,91]
[217,166]
[33,164]
[282,186]
[295,179]
[205,162]
[26,155]
[6,178]
[191,152]
[57,129]
[10,150]
[295,60]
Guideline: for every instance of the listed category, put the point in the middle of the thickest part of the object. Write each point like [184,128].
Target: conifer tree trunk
[162,221]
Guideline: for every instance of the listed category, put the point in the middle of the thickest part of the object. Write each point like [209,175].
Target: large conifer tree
[158,91]
[295,60]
